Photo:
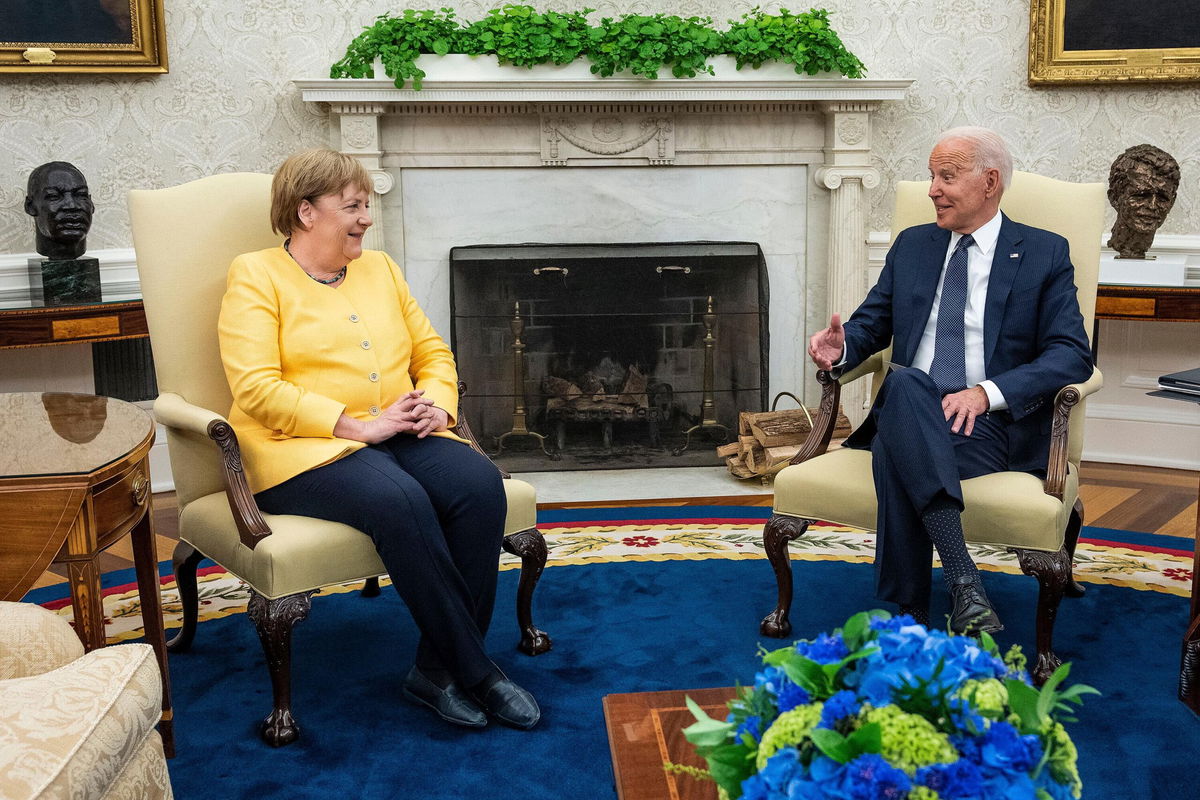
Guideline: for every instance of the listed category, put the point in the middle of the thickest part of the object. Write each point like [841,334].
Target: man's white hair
[991,152]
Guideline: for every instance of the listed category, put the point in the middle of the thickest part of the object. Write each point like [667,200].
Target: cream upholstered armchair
[185,238]
[73,724]
[1038,520]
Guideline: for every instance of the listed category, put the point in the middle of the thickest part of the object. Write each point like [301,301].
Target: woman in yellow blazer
[343,395]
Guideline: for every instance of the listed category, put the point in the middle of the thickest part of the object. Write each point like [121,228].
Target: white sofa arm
[34,640]
[71,732]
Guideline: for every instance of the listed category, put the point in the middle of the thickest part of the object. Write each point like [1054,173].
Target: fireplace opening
[609,356]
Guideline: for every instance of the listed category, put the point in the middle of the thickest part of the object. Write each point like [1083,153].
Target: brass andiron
[708,409]
[519,428]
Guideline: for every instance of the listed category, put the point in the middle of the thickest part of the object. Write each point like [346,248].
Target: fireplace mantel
[479,115]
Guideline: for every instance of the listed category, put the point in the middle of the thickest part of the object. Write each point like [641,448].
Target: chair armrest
[175,412]
[461,428]
[868,367]
[1066,399]
[831,392]
[822,428]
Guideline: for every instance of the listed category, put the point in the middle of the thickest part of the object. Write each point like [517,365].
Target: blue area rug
[620,628]
[626,626]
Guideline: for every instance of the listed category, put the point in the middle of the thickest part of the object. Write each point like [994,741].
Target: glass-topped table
[74,480]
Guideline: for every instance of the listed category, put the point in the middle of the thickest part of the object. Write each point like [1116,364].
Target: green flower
[789,728]
[1062,756]
[923,793]
[988,697]
[1015,659]
[910,741]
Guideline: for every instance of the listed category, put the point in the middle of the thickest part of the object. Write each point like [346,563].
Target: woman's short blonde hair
[308,175]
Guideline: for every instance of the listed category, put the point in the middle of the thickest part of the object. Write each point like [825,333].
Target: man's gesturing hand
[965,406]
[825,347]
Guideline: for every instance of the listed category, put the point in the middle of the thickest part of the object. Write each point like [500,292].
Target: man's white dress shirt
[979,269]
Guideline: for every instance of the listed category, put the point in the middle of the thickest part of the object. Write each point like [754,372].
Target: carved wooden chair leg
[274,619]
[371,587]
[531,547]
[184,562]
[1074,525]
[1053,572]
[780,530]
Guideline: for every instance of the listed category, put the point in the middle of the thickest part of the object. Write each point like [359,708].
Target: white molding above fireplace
[467,79]
[480,115]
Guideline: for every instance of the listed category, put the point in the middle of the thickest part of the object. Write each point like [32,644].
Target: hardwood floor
[1146,499]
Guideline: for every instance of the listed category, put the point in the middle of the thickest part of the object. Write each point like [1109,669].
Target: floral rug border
[575,544]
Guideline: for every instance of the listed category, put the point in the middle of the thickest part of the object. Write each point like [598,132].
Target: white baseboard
[1149,437]
[1143,459]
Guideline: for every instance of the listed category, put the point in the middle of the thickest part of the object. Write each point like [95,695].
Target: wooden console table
[89,322]
[1161,303]
[74,480]
[645,729]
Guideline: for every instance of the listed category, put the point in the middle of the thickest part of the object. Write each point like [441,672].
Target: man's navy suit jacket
[1033,337]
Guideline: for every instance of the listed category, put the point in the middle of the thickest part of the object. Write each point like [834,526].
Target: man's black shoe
[451,704]
[509,703]
[973,613]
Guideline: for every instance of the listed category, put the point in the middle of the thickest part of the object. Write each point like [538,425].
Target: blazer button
[374,411]
[366,345]
[354,317]
[374,376]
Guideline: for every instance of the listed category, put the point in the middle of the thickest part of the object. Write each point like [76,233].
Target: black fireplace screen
[609,355]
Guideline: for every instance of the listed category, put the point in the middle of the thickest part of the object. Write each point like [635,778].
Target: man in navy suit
[986,328]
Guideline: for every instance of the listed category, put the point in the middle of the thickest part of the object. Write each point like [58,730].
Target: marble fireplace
[768,157]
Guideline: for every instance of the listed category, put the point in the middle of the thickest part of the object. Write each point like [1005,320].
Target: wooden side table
[75,479]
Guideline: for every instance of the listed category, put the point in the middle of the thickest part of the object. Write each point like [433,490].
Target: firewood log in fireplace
[567,401]
[589,394]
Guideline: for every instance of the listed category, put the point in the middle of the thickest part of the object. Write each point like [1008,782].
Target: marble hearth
[767,156]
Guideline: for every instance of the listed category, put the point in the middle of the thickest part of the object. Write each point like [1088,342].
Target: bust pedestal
[1165,270]
[61,282]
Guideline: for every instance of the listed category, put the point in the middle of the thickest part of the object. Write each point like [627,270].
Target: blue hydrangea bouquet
[884,709]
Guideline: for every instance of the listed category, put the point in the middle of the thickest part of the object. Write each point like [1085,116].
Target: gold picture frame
[101,38]
[1050,62]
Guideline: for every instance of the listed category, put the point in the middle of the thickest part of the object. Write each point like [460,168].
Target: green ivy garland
[636,43]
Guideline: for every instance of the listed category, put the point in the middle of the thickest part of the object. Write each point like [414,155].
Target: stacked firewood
[768,440]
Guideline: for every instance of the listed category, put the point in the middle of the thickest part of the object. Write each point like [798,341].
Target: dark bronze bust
[57,198]
[1142,184]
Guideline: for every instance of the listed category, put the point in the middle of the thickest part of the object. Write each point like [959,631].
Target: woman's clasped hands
[412,414]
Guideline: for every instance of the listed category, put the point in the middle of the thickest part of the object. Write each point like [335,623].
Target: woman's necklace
[341,273]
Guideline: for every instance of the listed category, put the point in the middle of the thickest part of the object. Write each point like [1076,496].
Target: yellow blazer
[298,353]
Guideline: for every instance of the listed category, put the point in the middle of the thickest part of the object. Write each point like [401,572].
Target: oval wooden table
[75,479]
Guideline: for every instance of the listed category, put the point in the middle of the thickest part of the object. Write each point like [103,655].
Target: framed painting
[82,36]
[1102,41]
